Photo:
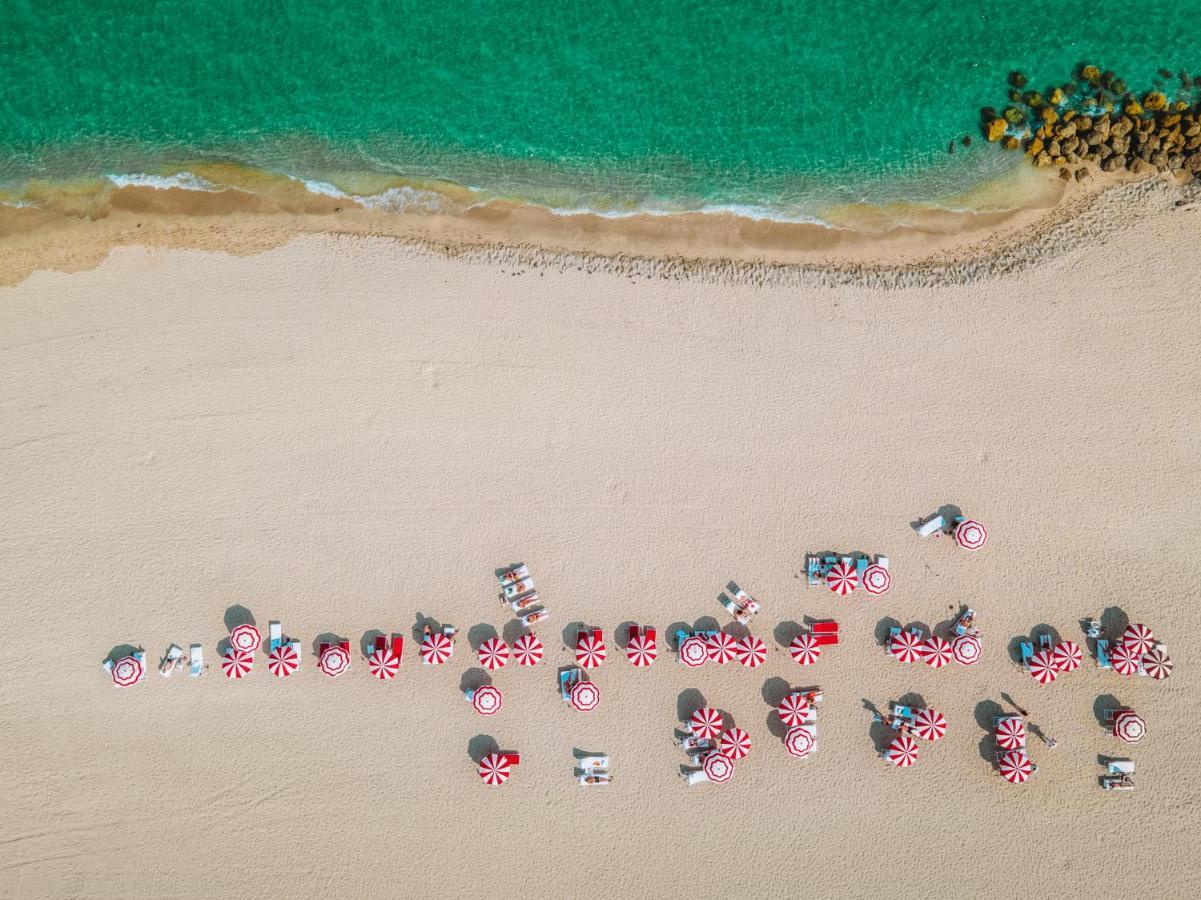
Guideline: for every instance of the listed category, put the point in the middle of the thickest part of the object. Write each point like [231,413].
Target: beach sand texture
[341,433]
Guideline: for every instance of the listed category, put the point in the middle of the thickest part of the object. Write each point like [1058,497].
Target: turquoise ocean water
[775,108]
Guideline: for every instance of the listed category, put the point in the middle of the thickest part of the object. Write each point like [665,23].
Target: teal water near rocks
[770,108]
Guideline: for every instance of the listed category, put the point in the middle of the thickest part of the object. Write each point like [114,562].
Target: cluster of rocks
[1097,121]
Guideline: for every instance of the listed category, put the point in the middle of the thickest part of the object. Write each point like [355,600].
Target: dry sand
[344,432]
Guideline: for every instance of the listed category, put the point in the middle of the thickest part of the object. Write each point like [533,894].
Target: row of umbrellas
[842,578]
[1013,762]
[910,646]
[721,648]
[1138,650]
[927,724]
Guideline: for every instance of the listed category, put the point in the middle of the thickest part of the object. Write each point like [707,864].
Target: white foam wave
[182,181]
[754,213]
[397,199]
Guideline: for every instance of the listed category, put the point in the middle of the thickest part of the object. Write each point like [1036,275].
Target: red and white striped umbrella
[1010,733]
[966,649]
[1015,766]
[721,647]
[383,664]
[236,663]
[735,743]
[1067,656]
[127,671]
[793,709]
[842,578]
[641,650]
[935,651]
[246,637]
[902,752]
[1138,638]
[694,651]
[436,649]
[333,661]
[283,661]
[751,651]
[1129,726]
[706,722]
[904,646]
[929,724]
[798,742]
[876,580]
[487,700]
[590,649]
[805,649]
[970,535]
[1124,660]
[718,768]
[528,650]
[1157,664]
[495,769]
[1043,668]
[585,696]
[493,653]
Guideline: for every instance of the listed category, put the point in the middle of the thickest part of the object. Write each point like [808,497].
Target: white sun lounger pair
[196,659]
[934,525]
[694,776]
[593,770]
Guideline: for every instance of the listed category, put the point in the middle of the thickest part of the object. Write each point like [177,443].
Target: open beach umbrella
[1067,656]
[1124,660]
[237,663]
[334,660]
[283,661]
[528,650]
[127,671]
[805,649]
[842,578]
[1010,733]
[904,646]
[970,535]
[494,768]
[966,649]
[876,580]
[694,651]
[641,650]
[1129,726]
[735,744]
[1015,766]
[436,648]
[493,653]
[798,742]
[718,768]
[1138,638]
[935,651]
[929,724]
[585,696]
[722,648]
[706,723]
[902,752]
[590,649]
[1043,668]
[246,637]
[751,651]
[487,700]
[1157,664]
[383,664]
[793,709]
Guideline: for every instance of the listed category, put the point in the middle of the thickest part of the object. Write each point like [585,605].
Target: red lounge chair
[321,648]
[381,643]
[827,626]
[650,634]
[598,635]
[345,645]
[633,632]
[398,646]
[513,758]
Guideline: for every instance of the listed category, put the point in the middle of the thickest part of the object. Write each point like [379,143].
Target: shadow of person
[688,702]
[871,707]
[237,615]
[786,632]
[477,634]
[884,629]
[474,679]
[480,746]
[880,734]
[1101,707]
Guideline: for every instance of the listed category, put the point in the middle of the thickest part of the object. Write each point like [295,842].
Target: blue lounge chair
[901,712]
[196,658]
[1103,654]
[1044,641]
[566,680]
[682,636]
[276,637]
[813,569]
[1027,649]
[861,565]
[894,631]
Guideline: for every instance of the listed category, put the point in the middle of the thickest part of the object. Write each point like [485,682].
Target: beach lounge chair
[694,776]
[894,631]
[882,562]
[567,678]
[901,713]
[813,568]
[1027,649]
[594,779]
[513,758]
[1120,767]
[380,644]
[398,646]
[517,573]
[515,589]
[529,601]
[533,616]
[593,762]
[934,525]
[1044,641]
[825,632]
[1117,782]
[861,564]
[1103,654]
[196,652]
[170,660]
[692,742]
[276,636]
[961,626]
[295,645]
[1093,629]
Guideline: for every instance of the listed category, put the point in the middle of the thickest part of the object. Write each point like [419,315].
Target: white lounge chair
[882,562]
[170,660]
[1121,767]
[694,776]
[196,652]
[594,779]
[520,573]
[276,638]
[593,762]
[515,589]
[936,524]
[529,601]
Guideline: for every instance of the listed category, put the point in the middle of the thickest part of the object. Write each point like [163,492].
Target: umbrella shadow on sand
[474,679]
[786,632]
[1102,705]
[480,746]
[672,631]
[326,637]
[512,630]
[688,702]
[621,634]
[884,630]
[949,511]
[477,634]
[774,691]
[1114,621]
[422,620]
[120,651]
[237,615]
[986,713]
[570,633]
[367,643]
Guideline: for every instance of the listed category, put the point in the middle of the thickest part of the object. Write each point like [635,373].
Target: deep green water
[614,104]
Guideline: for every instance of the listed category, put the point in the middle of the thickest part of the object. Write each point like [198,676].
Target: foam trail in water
[183,181]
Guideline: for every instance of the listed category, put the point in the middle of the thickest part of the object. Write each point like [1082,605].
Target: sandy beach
[345,431]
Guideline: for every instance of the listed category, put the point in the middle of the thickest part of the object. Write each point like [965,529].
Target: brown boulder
[1042,160]
[1067,130]
[1065,174]
[1142,167]
[1155,101]
[1082,173]
[1193,163]
[1113,163]
[1009,142]
[1091,74]
[996,129]
[1055,148]
[1083,123]
[1035,147]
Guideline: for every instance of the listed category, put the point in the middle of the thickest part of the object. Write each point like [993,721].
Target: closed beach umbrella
[641,650]
[721,647]
[966,649]
[236,663]
[793,709]
[1124,660]
[383,664]
[935,651]
[246,637]
[283,661]
[590,649]
[902,752]
[1043,668]
[486,700]
[334,660]
[528,650]
[751,651]
[876,580]
[585,696]
[706,723]
[436,649]
[493,653]
[735,743]
[127,671]
[842,578]
[1067,656]
[718,768]
[904,646]
[1138,638]
[694,651]
[1015,766]
[798,742]
[1129,726]
[970,535]
[805,649]
[1157,664]
[494,768]
[1010,733]
[929,724]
